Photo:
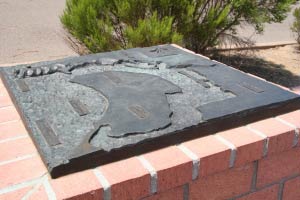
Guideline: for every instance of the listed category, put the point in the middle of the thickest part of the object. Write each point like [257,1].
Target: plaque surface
[85,111]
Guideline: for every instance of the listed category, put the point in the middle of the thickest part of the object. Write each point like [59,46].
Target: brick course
[21,171]
[12,129]
[32,193]
[249,146]
[174,194]
[128,179]
[276,167]
[223,185]
[292,118]
[291,189]
[269,193]
[173,167]
[5,100]
[281,136]
[8,113]
[82,185]
[213,159]
[14,149]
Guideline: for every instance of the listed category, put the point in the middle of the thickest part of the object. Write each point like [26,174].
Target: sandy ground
[287,56]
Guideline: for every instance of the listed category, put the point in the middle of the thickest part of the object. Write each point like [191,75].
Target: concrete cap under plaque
[85,111]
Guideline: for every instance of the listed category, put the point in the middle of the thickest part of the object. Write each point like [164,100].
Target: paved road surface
[30,30]
[274,33]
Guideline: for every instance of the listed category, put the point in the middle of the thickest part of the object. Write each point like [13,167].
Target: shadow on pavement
[267,70]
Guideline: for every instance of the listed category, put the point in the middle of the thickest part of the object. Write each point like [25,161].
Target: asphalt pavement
[30,30]
[275,33]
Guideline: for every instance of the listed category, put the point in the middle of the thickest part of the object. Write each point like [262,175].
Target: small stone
[154,50]
[29,72]
[131,65]
[21,73]
[37,71]
[60,65]
[45,70]
[108,61]
[53,69]
[16,72]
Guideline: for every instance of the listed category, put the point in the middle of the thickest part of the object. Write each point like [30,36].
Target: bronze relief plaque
[85,111]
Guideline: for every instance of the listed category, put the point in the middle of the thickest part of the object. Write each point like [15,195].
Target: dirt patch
[280,65]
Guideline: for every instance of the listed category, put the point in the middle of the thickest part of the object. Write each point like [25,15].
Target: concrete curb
[259,46]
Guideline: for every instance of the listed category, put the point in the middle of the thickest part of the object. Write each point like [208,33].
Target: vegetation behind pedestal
[104,25]
[296,25]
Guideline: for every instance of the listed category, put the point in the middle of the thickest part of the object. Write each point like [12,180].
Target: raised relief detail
[47,132]
[28,71]
[137,102]
[161,51]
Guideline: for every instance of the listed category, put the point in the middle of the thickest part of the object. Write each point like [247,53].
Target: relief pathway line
[30,30]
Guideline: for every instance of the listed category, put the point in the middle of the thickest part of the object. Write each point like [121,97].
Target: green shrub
[104,25]
[296,24]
